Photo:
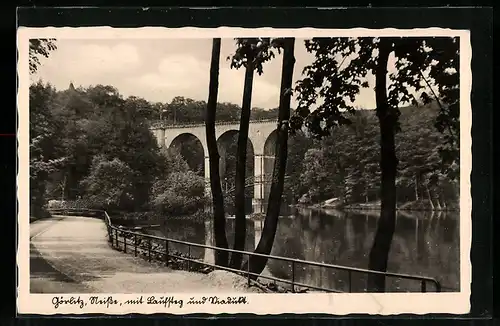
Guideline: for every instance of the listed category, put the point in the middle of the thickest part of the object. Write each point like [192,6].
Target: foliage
[171,161]
[345,164]
[254,51]
[39,47]
[109,184]
[298,145]
[189,111]
[98,121]
[177,190]
[44,158]
[45,145]
[181,193]
[44,131]
[425,66]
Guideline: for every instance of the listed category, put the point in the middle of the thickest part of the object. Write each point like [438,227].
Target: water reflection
[424,244]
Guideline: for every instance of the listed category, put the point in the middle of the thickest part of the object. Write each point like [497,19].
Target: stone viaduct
[261,135]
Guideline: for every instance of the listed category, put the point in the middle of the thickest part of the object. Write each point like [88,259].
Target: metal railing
[123,239]
[166,125]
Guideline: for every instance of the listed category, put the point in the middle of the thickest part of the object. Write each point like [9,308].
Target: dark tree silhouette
[257,264]
[221,257]
[251,53]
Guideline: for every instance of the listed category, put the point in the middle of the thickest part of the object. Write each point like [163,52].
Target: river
[424,243]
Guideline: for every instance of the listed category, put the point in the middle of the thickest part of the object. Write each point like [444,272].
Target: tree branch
[436,97]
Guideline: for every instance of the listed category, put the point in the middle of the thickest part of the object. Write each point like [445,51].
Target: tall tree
[257,264]
[42,130]
[338,85]
[388,120]
[251,53]
[241,160]
[46,156]
[244,50]
[221,257]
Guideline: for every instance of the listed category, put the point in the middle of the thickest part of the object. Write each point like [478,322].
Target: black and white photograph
[265,171]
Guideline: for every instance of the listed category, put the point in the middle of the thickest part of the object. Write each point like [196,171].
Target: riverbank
[420,205]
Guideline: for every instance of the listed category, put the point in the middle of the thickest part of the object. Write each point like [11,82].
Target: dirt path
[71,254]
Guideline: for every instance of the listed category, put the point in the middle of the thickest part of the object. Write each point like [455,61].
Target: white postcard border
[335,304]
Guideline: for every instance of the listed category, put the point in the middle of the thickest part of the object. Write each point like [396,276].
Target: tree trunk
[69,182]
[221,257]
[416,188]
[387,117]
[63,188]
[438,202]
[241,160]
[257,264]
[429,196]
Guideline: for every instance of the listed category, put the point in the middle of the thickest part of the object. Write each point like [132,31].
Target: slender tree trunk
[63,188]
[438,200]
[69,181]
[416,188]
[221,257]
[257,264]
[387,116]
[430,197]
[241,160]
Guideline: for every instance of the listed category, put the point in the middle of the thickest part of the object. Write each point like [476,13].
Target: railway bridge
[261,137]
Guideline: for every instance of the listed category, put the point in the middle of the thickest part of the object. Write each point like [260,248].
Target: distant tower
[71,86]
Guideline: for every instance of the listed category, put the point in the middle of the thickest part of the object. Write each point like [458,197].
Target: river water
[424,243]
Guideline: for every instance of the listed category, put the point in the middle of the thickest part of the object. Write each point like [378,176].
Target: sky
[161,69]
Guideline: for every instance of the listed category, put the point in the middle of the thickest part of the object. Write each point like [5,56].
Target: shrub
[181,193]
[109,184]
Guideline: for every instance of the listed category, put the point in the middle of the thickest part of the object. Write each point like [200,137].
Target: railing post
[438,286]
[189,257]
[248,270]
[124,243]
[423,286]
[135,245]
[149,249]
[166,252]
[116,239]
[293,276]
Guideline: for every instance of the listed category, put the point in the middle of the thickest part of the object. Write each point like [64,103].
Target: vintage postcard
[232,170]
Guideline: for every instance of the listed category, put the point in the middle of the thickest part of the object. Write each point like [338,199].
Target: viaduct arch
[261,136]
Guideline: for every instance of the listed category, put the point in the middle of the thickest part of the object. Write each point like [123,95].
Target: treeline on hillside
[186,110]
[345,165]
[95,145]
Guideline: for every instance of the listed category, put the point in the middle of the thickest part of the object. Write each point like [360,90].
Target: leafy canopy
[426,69]
[39,47]
[255,51]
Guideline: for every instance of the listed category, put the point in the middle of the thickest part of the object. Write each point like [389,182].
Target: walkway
[71,254]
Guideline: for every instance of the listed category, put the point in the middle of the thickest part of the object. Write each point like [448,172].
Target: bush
[109,184]
[181,193]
